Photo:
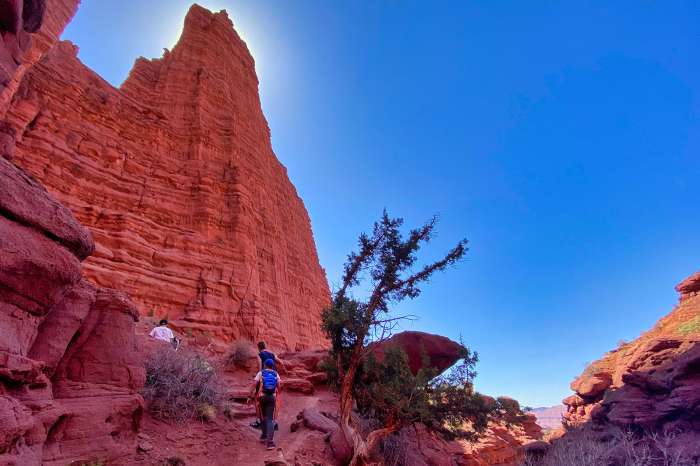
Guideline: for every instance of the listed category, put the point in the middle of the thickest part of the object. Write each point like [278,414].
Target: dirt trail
[234,442]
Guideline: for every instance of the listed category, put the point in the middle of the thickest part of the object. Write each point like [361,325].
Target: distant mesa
[550,417]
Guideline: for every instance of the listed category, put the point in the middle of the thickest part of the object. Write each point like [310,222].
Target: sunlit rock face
[651,383]
[28,28]
[70,371]
[173,173]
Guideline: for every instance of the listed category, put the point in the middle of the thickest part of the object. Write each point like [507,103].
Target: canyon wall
[173,173]
[69,367]
[651,383]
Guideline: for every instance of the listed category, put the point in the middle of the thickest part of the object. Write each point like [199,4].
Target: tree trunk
[352,436]
[376,435]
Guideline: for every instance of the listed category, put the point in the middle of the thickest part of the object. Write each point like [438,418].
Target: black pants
[267,409]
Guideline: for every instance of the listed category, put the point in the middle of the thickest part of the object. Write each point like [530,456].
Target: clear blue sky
[561,138]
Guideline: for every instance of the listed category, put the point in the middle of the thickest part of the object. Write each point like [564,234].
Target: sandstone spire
[174,174]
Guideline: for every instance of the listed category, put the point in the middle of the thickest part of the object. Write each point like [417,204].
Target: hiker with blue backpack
[265,354]
[267,385]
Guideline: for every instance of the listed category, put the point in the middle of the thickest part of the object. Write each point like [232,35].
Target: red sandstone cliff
[174,175]
[652,382]
[69,368]
[28,28]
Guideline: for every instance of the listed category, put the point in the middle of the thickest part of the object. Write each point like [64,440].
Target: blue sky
[561,138]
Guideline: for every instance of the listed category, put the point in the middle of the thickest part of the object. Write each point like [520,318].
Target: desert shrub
[690,327]
[395,449]
[240,354]
[228,411]
[206,412]
[174,461]
[178,384]
[623,448]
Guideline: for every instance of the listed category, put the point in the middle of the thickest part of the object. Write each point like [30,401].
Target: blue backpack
[269,381]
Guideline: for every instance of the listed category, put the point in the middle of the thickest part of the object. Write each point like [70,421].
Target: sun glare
[173,21]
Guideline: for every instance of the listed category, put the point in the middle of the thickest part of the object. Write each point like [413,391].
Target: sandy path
[234,442]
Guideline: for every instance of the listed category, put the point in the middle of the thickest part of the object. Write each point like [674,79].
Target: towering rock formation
[174,175]
[651,383]
[28,28]
[69,368]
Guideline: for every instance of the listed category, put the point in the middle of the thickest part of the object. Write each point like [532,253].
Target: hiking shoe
[256,424]
[271,445]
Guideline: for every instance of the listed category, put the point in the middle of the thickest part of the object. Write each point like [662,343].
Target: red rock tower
[174,174]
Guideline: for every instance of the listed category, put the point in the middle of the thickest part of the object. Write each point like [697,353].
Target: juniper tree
[384,265]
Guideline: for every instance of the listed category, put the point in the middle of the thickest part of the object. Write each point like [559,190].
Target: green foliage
[388,392]
[344,322]
[328,365]
[690,327]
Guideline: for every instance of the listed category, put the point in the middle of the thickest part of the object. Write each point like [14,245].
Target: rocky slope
[652,382]
[174,175]
[69,369]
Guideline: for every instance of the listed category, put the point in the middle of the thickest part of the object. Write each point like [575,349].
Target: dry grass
[584,448]
[242,351]
[395,449]
[181,386]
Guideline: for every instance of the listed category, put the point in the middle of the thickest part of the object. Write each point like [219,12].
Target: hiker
[163,333]
[265,389]
[264,355]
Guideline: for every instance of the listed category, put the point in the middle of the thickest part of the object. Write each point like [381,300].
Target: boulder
[314,419]
[297,385]
[342,452]
[440,351]
[318,378]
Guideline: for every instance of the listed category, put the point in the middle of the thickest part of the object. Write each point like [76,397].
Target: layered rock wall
[69,368]
[174,175]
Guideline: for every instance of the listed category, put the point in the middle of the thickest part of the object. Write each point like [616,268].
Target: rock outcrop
[502,444]
[28,28]
[69,369]
[440,351]
[652,383]
[174,175]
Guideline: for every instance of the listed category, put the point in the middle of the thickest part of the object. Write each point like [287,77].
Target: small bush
[174,461]
[395,449]
[229,412]
[624,448]
[178,384]
[206,412]
[242,351]
[690,327]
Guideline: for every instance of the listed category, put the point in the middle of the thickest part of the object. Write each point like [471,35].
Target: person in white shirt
[163,333]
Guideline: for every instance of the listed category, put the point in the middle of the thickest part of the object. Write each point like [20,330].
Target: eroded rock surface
[651,383]
[174,175]
[69,369]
